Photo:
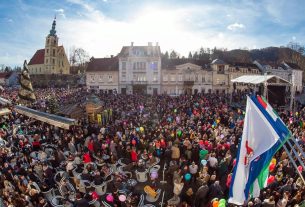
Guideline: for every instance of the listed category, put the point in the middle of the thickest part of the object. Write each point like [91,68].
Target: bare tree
[79,58]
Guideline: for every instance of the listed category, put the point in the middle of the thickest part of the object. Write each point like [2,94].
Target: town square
[118,103]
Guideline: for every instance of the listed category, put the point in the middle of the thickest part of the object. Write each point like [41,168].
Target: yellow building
[52,59]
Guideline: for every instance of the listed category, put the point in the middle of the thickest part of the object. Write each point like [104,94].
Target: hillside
[271,55]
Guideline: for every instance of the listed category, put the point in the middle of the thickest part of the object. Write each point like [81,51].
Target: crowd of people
[193,139]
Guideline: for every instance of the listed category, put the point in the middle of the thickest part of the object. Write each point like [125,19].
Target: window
[134,65]
[109,78]
[54,41]
[92,78]
[53,52]
[155,78]
[123,65]
[47,60]
[180,77]
[196,78]
[36,70]
[172,77]
[203,79]
[101,78]
[154,65]
[165,78]
[53,61]
[47,51]
[39,69]
[62,63]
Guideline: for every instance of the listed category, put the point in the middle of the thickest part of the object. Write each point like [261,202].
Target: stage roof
[258,79]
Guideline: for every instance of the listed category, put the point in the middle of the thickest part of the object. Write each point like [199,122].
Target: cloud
[235,26]
[9,20]
[60,12]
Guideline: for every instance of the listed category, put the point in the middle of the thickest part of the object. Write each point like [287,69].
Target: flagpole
[293,163]
[296,154]
[298,146]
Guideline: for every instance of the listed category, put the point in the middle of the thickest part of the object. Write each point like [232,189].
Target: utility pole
[292,92]
[265,86]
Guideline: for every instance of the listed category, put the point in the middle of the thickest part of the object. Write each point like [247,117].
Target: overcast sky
[102,27]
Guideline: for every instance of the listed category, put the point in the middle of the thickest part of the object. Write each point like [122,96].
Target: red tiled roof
[38,58]
[103,64]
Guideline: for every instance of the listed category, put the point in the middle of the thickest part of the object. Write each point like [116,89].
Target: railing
[139,82]
[188,83]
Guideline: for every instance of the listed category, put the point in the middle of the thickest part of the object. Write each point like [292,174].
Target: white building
[140,69]
[288,71]
[102,74]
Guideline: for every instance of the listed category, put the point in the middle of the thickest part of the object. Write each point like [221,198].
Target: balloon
[215,203]
[270,179]
[122,198]
[217,121]
[204,162]
[172,134]
[187,176]
[141,129]
[222,203]
[109,198]
[154,175]
[271,167]
[133,142]
[137,129]
[175,110]
[179,133]
[273,161]
[300,168]
[201,142]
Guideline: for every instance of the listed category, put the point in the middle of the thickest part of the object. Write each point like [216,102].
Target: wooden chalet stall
[94,107]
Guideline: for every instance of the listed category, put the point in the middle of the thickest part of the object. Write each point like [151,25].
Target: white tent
[259,79]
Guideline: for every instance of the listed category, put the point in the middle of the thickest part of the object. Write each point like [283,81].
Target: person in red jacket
[86,157]
[90,145]
[134,155]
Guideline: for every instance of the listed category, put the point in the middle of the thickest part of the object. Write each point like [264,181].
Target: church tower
[51,46]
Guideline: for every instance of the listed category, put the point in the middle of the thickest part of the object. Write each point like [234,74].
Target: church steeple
[53,31]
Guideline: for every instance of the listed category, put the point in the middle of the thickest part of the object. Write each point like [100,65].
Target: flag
[263,134]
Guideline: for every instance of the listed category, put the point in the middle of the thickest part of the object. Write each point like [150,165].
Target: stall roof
[258,79]
[52,119]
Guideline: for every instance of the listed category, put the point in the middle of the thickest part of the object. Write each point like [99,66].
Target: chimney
[131,44]
[157,44]
[150,44]
[111,56]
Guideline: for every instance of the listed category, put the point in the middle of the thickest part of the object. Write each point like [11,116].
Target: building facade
[103,74]
[52,59]
[140,69]
[186,78]
[288,71]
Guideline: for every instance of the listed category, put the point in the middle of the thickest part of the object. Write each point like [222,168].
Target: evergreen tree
[53,105]
[173,55]
[196,56]
[26,91]
[190,55]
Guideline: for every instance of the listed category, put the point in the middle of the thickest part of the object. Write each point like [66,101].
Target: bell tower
[51,45]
